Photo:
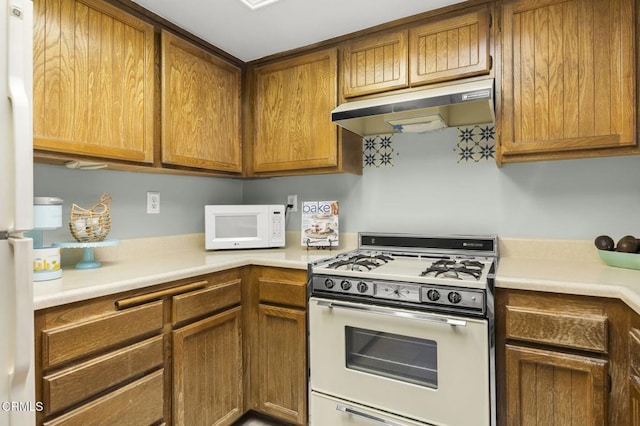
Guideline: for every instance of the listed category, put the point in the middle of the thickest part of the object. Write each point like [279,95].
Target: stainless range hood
[424,110]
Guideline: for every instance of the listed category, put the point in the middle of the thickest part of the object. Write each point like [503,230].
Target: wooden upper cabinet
[201,108]
[568,79]
[293,103]
[449,49]
[93,81]
[374,64]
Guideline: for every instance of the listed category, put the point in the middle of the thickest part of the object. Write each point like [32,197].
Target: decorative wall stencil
[377,151]
[476,143]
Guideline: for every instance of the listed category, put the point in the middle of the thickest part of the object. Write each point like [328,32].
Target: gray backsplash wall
[420,187]
[426,190]
[181,199]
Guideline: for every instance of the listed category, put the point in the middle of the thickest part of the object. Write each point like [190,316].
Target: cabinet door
[375,64]
[283,363]
[634,371]
[634,408]
[294,99]
[93,81]
[554,388]
[450,49]
[567,77]
[201,112]
[207,372]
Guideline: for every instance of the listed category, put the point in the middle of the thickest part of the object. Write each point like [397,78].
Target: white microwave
[244,226]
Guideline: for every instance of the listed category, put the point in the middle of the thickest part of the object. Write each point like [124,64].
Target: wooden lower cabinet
[634,408]
[100,365]
[207,371]
[167,354]
[634,370]
[554,388]
[199,351]
[566,360]
[72,385]
[275,308]
[283,366]
[138,403]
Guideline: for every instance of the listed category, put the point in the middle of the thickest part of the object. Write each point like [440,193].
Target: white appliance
[17,389]
[401,332]
[244,226]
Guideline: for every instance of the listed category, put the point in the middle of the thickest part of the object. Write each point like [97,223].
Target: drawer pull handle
[149,297]
[375,419]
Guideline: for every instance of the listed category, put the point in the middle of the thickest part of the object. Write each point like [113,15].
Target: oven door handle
[367,416]
[399,314]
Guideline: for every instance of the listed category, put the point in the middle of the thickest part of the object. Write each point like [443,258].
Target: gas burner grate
[361,262]
[454,269]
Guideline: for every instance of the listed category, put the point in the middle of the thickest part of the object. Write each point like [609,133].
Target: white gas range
[401,331]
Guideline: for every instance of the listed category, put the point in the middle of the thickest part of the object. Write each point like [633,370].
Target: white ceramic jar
[47,212]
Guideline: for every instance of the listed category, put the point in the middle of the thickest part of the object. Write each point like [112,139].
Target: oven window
[408,359]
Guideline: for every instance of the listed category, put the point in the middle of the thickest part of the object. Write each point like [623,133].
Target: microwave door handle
[400,314]
[367,416]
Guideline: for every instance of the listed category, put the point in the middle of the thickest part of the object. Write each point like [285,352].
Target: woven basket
[91,225]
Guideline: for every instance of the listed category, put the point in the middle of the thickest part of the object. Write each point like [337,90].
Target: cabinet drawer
[139,403]
[283,292]
[634,350]
[199,303]
[72,385]
[80,339]
[578,331]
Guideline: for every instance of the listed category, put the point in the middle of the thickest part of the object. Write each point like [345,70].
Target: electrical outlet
[293,200]
[153,202]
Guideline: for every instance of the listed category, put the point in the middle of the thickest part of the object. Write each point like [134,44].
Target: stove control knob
[345,285]
[454,297]
[363,287]
[328,283]
[433,295]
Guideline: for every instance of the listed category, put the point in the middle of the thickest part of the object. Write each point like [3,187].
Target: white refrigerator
[17,386]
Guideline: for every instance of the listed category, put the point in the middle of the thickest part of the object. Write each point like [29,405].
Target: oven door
[428,367]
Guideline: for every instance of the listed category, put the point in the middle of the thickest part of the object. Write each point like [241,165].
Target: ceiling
[282,25]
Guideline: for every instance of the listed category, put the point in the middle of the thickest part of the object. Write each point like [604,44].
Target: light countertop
[163,260]
[571,277]
[559,266]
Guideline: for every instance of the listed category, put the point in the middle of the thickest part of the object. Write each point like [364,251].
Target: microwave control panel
[277,225]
